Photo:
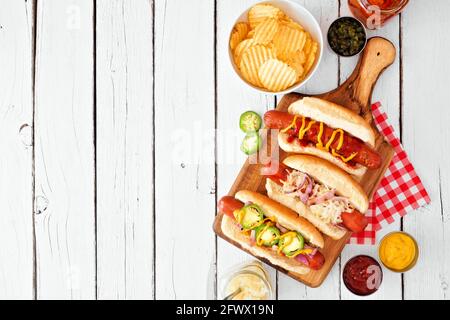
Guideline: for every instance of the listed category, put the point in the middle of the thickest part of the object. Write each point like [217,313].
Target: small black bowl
[347,36]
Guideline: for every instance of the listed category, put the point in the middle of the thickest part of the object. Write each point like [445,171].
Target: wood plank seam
[94,52]
[400,35]
[153,149]
[215,286]
[34,40]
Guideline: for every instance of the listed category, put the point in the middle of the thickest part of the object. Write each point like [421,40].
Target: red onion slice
[321,199]
[302,181]
[282,229]
[302,258]
[253,235]
[310,185]
[337,198]
[313,252]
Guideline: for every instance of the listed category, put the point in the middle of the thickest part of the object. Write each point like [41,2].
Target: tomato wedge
[354,221]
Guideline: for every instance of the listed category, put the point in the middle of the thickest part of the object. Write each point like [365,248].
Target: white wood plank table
[118,134]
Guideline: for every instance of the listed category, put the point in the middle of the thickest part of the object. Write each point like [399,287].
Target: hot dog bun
[274,191]
[335,116]
[327,174]
[296,147]
[284,216]
[232,231]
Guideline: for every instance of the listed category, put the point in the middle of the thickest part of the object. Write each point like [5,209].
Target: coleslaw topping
[321,199]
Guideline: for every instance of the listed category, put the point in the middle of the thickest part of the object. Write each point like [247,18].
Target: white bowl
[299,14]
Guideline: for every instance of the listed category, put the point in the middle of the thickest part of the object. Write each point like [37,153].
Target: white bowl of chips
[275,47]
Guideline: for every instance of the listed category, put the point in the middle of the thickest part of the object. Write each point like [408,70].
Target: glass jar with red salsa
[362,275]
[375,13]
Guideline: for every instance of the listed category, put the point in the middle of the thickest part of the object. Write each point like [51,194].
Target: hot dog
[364,154]
[318,127]
[270,231]
[320,192]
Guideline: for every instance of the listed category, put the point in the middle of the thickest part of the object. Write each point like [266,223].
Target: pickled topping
[290,244]
[298,184]
[346,36]
[265,231]
[322,200]
[267,235]
[249,217]
[250,122]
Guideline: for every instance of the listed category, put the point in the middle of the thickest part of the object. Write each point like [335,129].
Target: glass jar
[248,281]
[375,13]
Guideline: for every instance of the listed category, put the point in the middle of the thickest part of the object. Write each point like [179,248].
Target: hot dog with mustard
[327,130]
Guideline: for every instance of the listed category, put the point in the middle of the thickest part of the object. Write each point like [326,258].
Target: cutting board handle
[356,91]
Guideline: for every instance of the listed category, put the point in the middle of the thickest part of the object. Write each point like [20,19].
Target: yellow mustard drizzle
[319,144]
[292,125]
[238,215]
[333,136]
[270,222]
[302,131]
[258,236]
[344,158]
[303,251]
[266,220]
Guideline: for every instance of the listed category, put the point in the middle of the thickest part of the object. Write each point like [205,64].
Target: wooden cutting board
[355,94]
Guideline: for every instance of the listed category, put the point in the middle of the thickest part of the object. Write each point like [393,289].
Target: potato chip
[239,33]
[260,12]
[288,41]
[284,19]
[272,51]
[251,61]
[311,57]
[266,31]
[296,62]
[292,24]
[241,48]
[276,75]
[308,44]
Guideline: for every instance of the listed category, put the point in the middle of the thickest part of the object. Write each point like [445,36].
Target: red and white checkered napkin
[400,190]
